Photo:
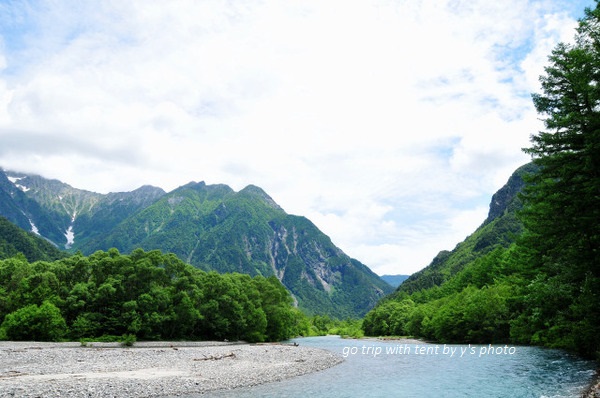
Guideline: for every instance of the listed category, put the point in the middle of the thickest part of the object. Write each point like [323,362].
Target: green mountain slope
[17,205]
[490,289]
[61,213]
[469,294]
[499,230]
[109,210]
[14,240]
[209,226]
[214,228]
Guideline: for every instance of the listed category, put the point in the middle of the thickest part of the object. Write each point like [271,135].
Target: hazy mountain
[394,280]
[209,226]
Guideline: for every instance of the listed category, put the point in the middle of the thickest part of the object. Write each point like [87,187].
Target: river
[374,368]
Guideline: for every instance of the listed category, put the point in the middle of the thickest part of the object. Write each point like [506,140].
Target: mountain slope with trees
[432,302]
[14,240]
[211,227]
[542,284]
[215,228]
[499,230]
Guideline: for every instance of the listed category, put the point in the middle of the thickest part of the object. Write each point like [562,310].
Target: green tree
[562,200]
[221,308]
[282,320]
[145,295]
[186,316]
[320,324]
[43,323]
[389,318]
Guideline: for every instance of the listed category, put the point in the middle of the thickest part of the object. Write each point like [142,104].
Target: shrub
[43,323]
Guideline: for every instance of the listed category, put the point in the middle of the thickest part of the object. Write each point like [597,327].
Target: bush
[128,340]
[43,323]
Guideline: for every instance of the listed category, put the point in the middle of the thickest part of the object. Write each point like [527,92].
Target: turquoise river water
[374,368]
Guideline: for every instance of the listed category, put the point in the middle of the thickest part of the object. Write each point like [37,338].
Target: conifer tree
[562,211]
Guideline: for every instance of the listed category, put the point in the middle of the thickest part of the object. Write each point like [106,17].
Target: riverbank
[149,369]
[594,390]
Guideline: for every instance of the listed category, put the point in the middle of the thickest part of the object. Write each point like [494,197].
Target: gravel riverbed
[149,369]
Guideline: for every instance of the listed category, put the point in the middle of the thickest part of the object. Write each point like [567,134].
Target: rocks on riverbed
[149,369]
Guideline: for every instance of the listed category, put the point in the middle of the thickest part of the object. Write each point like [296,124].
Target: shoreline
[593,391]
[150,369]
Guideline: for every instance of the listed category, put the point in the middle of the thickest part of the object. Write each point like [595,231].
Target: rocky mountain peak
[260,193]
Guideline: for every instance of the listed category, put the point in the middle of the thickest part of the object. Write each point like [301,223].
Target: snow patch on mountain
[15,181]
[69,234]
[34,228]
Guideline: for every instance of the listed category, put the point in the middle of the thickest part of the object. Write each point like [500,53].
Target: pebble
[149,369]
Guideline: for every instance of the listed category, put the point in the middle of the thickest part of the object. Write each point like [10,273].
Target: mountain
[54,209]
[496,287]
[209,226]
[479,292]
[108,211]
[24,211]
[394,280]
[499,229]
[15,240]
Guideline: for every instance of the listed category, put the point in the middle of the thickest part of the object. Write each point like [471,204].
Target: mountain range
[211,227]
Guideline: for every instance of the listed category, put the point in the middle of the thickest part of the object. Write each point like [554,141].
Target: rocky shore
[594,390]
[149,369]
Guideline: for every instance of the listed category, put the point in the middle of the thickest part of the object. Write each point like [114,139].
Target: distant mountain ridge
[209,226]
[395,280]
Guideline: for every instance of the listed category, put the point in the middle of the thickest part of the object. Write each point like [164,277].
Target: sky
[389,124]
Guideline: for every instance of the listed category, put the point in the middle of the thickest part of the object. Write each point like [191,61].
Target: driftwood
[279,343]
[12,373]
[215,357]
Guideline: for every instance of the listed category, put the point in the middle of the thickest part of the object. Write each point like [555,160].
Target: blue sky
[389,124]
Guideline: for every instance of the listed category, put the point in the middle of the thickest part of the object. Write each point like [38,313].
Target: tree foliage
[144,295]
[562,201]
[43,323]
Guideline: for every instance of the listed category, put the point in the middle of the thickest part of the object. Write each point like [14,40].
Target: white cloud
[384,122]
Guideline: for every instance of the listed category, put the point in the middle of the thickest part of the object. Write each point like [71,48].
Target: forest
[543,288]
[143,295]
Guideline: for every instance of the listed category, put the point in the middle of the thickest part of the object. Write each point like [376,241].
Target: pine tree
[562,211]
